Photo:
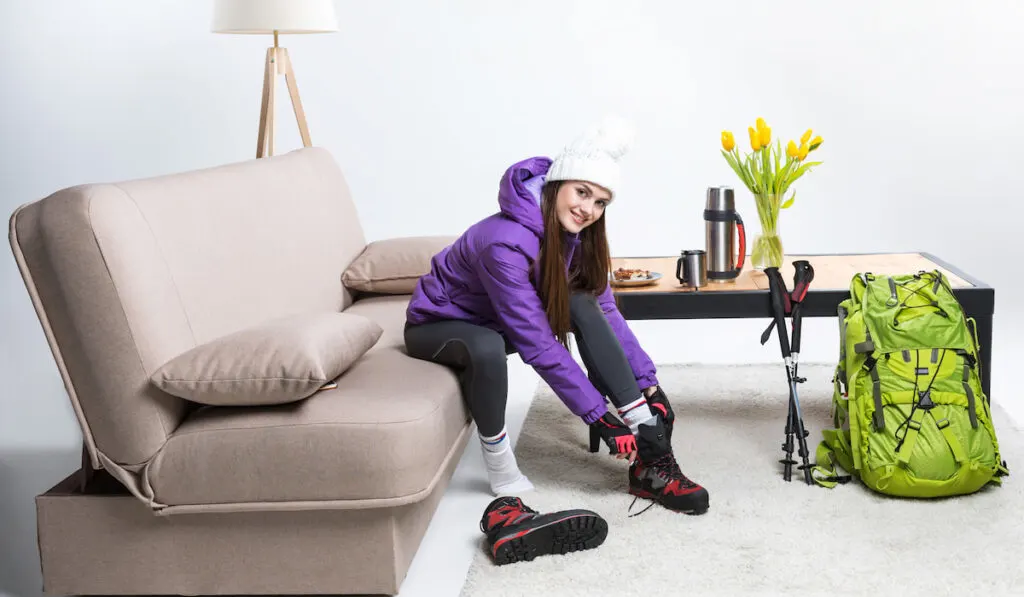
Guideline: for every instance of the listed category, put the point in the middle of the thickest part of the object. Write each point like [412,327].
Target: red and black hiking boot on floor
[516,532]
[655,475]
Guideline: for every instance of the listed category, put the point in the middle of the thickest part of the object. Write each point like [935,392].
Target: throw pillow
[281,361]
[392,266]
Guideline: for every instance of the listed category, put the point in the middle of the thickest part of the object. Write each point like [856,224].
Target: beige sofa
[330,493]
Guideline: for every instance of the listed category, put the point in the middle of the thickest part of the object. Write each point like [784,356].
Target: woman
[522,279]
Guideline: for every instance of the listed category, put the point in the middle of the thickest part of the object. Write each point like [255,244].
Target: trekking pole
[802,275]
[780,306]
[780,302]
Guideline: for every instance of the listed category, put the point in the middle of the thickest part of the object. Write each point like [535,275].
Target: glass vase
[766,251]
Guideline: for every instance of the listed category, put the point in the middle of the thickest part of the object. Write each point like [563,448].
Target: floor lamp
[275,17]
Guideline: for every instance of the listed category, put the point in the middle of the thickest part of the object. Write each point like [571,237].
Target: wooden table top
[831,272]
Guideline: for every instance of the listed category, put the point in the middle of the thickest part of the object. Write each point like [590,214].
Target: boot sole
[572,533]
[650,496]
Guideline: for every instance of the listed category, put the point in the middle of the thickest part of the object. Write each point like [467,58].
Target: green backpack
[910,418]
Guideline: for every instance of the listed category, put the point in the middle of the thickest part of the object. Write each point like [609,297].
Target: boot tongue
[516,505]
[511,501]
[503,512]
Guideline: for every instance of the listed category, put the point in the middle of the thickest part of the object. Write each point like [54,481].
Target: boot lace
[511,503]
[666,467]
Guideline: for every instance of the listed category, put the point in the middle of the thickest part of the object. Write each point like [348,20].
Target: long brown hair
[593,259]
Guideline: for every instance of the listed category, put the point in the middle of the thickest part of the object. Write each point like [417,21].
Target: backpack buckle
[925,400]
[968,357]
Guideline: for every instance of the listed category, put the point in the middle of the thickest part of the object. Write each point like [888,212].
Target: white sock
[502,469]
[637,413]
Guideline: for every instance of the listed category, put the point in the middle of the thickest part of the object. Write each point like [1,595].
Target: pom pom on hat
[614,136]
[594,155]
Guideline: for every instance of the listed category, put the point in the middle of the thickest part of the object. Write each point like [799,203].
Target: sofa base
[107,542]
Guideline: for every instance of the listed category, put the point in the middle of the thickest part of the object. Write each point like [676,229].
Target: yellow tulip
[761,125]
[816,142]
[806,137]
[791,150]
[802,153]
[766,136]
[728,142]
[755,139]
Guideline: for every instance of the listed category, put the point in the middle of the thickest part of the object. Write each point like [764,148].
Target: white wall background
[425,103]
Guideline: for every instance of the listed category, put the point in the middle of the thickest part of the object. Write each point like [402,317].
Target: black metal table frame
[977,301]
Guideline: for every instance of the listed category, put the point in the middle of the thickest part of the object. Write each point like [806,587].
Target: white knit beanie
[594,155]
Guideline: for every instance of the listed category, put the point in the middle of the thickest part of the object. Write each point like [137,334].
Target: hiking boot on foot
[516,532]
[655,475]
[660,407]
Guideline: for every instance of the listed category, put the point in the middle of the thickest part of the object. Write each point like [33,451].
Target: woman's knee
[584,309]
[486,350]
[480,352]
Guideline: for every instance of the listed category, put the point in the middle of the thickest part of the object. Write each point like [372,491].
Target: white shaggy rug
[761,536]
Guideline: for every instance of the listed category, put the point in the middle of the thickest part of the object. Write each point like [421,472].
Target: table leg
[985,341]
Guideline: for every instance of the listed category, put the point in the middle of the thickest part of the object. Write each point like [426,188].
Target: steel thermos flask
[722,226]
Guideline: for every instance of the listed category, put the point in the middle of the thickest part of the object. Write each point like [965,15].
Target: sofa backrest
[125,276]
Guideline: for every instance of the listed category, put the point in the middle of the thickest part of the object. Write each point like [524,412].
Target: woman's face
[579,204]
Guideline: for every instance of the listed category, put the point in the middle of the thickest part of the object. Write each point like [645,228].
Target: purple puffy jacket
[483,278]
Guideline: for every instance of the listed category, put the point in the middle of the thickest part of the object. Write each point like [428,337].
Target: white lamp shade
[268,16]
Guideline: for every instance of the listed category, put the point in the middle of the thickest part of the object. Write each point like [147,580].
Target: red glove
[619,438]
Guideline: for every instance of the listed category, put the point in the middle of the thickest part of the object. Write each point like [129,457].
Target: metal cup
[691,269]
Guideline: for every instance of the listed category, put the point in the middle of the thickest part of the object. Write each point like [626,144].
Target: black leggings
[479,355]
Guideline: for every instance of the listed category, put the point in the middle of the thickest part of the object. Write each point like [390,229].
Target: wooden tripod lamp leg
[265,138]
[278,62]
[293,91]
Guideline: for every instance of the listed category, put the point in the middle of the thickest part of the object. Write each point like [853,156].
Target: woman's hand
[620,440]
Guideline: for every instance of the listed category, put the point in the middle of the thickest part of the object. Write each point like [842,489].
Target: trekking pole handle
[803,273]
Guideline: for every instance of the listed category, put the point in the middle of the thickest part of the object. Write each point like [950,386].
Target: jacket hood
[519,192]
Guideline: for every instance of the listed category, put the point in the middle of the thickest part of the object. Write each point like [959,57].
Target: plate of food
[625,277]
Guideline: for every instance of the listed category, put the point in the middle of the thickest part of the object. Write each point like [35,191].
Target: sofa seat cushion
[382,433]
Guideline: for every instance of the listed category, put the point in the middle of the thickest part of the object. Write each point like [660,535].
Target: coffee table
[747,295]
